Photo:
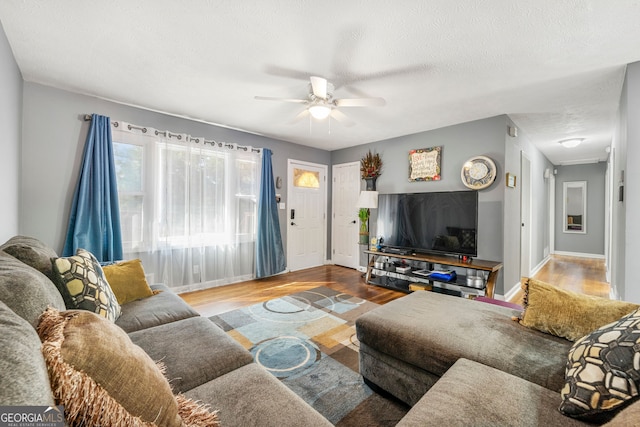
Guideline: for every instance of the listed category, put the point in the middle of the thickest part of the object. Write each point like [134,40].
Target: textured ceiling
[556,67]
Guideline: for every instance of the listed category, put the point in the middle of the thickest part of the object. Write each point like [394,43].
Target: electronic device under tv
[435,222]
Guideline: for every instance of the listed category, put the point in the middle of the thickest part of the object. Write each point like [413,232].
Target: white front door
[344,226]
[306,217]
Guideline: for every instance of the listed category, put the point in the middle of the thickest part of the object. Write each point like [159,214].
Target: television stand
[396,251]
[459,286]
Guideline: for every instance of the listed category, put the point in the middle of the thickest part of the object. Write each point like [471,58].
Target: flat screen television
[437,222]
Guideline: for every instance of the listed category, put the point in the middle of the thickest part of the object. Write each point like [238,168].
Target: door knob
[293,223]
[353,222]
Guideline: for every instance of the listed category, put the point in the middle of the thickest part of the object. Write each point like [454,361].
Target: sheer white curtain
[188,206]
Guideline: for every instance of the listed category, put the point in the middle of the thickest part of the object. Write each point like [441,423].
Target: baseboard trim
[579,254]
[613,293]
[512,292]
[539,266]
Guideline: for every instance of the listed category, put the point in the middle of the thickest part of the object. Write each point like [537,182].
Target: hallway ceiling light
[571,143]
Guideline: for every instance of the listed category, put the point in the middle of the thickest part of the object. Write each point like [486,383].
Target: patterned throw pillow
[603,369]
[81,282]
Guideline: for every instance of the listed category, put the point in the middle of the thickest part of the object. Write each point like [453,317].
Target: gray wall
[10,120]
[591,243]
[53,139]
[630,158]
[540,206]
[617,163]
[460,142]
[540,195]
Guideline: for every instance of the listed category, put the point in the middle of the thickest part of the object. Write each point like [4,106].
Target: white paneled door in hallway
[345,249]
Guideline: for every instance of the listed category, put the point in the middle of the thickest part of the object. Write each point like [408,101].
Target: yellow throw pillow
[567,314]
[127,280]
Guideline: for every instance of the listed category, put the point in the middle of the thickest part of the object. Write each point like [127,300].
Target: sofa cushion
[193,350]
[127,280]
[403,380]
[566,314]
[32,252]
[603,369]
[101,377]
[432,331]
[250,396]
[161,308]
[81,282]
[25,290]
[628,417]
[472,394]
[23,373]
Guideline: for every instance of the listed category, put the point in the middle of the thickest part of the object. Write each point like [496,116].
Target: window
[129,164]
[305,178]
[246,198]
[200,194]
[188,210]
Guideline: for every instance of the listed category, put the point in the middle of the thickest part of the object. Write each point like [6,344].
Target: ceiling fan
[320,103]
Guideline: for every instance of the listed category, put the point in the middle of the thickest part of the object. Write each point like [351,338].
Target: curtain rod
[87,118]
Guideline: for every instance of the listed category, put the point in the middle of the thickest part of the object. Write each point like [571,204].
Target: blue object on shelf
[445,276]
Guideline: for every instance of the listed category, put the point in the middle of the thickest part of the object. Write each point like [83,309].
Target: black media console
[461,285]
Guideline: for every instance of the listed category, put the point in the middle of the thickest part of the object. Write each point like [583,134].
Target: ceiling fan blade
[269,98]
[319,87]
[360,102]
[342,118]
[303,114]
[395,72]
[290,73]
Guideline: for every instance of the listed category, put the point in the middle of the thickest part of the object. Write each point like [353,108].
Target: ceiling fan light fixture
[320,112]
[571,143]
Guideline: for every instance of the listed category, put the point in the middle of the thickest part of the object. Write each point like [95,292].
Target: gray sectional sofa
[201,360]
[459,362]
[456,362]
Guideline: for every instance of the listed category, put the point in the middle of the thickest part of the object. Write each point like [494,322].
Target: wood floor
[582,275]
[210,302]
[575,274]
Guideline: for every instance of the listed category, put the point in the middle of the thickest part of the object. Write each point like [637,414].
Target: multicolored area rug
[308,341]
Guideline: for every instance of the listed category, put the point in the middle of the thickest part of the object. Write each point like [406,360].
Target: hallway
[583,275]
